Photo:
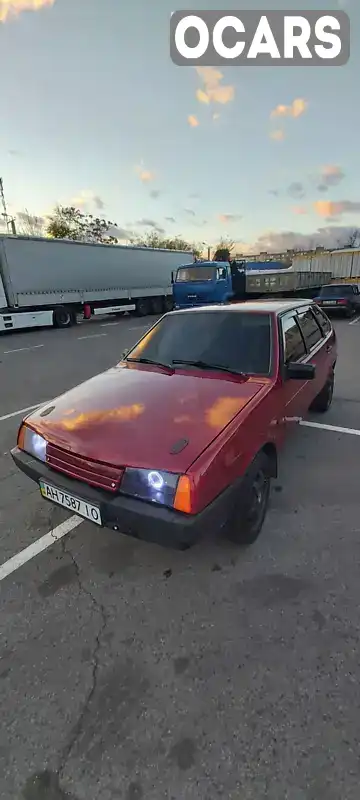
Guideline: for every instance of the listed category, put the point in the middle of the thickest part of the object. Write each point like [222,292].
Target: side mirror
[300,372]
[124,353]
[172,277]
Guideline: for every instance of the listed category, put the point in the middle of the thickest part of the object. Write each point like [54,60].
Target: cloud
[122,234]
[190,212]
[155,194]
[87,198]
[12,8]
[193,121]
[330,175]
[329,209]
[216,116]
[213,91]
[274,192]
[194,196]
[170,219]
[277,135]
[279,241]
[229,217]
[15,153]
[299,210]
[296,190]
[144,174]
[150,223]
[294,110]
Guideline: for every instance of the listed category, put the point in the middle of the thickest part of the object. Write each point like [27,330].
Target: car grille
[103,476]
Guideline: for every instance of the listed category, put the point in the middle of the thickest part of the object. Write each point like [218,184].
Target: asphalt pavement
[132,672]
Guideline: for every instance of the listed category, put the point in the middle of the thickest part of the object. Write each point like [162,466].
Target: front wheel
[249,512]
[323,400]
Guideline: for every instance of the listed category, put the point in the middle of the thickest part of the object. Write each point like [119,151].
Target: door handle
[328,348]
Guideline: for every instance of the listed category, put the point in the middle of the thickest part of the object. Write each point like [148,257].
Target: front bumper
[146,521]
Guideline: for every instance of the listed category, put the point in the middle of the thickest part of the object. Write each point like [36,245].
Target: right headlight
[154,485]
[32,443]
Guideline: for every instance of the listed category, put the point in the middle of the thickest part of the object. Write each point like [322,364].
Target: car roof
[251,306]
[337,285]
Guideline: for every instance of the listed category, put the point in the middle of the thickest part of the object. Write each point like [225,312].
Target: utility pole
[10,221]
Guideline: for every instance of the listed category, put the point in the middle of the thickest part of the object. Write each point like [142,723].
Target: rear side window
[310,329]
[322,320]
[293,341]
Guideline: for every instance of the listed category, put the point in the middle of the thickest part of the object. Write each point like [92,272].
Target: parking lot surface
[132,672]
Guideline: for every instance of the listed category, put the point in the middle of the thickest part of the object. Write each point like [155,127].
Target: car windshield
[195,273]
[238,341]
[336,291]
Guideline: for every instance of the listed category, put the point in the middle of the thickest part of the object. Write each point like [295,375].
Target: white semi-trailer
[51,281]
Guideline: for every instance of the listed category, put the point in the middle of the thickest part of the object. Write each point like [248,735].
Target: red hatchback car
[182,436]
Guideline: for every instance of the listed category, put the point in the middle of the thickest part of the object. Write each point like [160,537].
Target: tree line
[68,222]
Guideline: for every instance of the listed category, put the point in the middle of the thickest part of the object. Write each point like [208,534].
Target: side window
[310,328]
[323,321]
[294,346]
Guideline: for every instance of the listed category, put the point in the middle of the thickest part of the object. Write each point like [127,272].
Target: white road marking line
[108,324]
[37,547]
[22,349]
[354,321]
[92,336]
[140,328]
[22,411]
[334,428]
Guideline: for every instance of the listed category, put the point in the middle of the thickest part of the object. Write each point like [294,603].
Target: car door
[318,346]
[293,351]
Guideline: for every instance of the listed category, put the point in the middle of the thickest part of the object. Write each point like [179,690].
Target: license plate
[72,503]
[329,302]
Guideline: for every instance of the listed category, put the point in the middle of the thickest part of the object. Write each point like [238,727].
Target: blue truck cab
[208,282]
[218,282]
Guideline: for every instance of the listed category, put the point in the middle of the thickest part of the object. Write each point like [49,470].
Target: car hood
[140,417]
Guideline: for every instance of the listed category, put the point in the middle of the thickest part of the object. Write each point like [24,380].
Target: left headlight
[32,443]
[152,485]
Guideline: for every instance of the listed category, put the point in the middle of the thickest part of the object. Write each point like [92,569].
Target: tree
[30,225]
[352,239]
[223,250]
[68,222]
[155,239]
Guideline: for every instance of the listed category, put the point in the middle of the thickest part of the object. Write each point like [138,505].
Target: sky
[94,113]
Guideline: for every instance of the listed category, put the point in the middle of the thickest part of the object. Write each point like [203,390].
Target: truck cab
[207,282]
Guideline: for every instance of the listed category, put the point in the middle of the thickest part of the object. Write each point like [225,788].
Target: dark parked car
[343,298]
[183,435]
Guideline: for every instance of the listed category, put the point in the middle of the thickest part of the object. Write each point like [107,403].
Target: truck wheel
[142,307]
[168,303]
[250,509]
[157,305]
[63,317]
[323,401]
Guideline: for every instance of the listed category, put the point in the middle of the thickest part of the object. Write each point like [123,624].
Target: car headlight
[32,443]
[152,485]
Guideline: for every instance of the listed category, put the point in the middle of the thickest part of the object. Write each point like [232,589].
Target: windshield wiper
[204,365]
[150,361]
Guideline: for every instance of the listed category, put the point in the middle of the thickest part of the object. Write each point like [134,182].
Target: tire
[63,317]
[323,400]
[168,303]
[142,307]
[249,512]
[350,312]
[156,305]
